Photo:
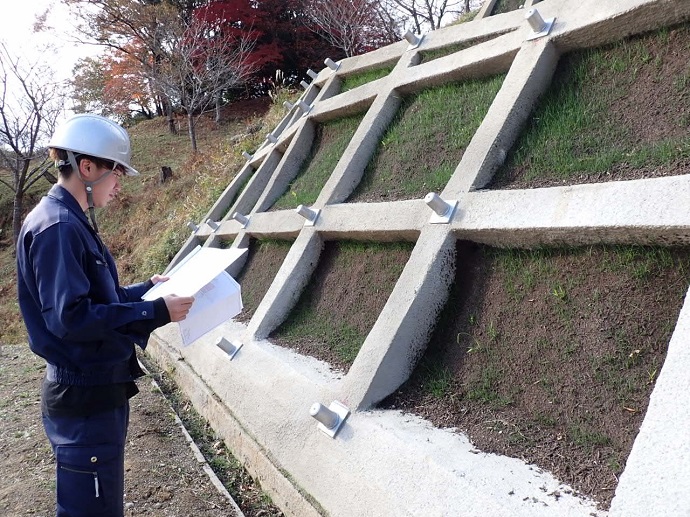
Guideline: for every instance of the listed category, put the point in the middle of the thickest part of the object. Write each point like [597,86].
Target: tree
[206,57]
[88,85]
[142,29]
[354,26]
[29,108]
[243,20]
[427,15]
[138,29]
[112,86]
[128,90]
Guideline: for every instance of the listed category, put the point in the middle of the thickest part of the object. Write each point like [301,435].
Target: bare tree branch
[29,107]
[426,15]
[355,26]
[137,28]
[201,64]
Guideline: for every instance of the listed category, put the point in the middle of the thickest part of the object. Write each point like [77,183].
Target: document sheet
[217,296]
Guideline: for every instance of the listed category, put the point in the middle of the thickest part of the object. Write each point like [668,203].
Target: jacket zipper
[93,473]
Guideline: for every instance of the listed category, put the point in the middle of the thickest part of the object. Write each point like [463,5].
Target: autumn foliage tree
[128,89]
[116,85]
[138,29]
[240,21]
[208,56]
[145,42]
[282,38]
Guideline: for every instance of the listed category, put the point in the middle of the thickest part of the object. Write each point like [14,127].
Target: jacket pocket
[87,478]
[102,282]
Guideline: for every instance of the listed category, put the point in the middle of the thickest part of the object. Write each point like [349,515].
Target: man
[81,321]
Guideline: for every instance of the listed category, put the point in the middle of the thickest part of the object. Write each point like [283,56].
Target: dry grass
[146,226]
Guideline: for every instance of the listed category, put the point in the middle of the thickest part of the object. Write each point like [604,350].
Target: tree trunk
[217,118]
[192,130]
[171,120]
[18,207]
[166,174]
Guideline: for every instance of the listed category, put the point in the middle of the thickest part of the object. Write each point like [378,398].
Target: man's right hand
[178,306]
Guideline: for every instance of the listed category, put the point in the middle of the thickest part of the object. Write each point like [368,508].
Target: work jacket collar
[65,197]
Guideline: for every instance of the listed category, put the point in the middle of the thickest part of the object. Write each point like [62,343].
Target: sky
[31,47]
[17,33]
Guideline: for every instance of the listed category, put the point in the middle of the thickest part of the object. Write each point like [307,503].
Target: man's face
[107,189]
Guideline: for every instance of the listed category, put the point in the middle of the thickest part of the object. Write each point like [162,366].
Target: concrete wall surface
[384,463]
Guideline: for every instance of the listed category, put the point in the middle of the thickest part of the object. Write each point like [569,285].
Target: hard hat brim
[130,171]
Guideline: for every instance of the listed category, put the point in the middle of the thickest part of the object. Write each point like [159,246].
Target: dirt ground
[163,476]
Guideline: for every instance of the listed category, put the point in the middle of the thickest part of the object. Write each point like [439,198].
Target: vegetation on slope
[147,224]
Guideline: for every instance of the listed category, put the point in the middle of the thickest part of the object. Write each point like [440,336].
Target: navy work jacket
[78,317]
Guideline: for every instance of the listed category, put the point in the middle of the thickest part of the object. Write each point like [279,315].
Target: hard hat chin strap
[92,209]
[89,187]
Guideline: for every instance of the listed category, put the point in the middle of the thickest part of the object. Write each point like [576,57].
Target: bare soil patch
[550,356]
[342,301]
[162,475]
[264,259]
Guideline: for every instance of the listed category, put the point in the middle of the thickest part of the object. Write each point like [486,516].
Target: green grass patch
[643,262]
[161,253]
[353,81]
[484,388]
[466,17]
[331,140]
[506,6]
[439,381]
[425,142]
[572,132]
[430,55]
[584,436]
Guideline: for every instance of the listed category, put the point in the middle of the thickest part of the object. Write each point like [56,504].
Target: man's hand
[156,279]
[178,306]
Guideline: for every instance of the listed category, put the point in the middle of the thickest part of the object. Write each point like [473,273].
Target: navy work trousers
[90,456]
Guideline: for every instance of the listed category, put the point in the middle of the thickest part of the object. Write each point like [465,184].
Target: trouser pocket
[88,480]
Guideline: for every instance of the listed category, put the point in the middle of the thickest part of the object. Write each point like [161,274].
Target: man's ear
[87,168]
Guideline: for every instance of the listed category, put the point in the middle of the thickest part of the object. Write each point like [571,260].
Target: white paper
[217,296]
[196,270]
[215,303]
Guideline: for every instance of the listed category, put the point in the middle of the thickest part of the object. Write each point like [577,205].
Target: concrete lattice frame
[382,463]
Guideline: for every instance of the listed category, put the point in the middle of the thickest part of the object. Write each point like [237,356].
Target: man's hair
[59,156]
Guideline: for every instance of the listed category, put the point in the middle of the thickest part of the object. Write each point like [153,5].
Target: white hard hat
[95,136]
